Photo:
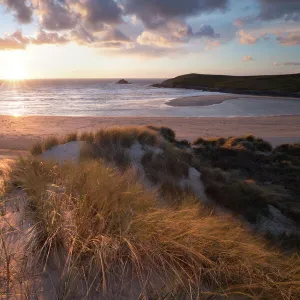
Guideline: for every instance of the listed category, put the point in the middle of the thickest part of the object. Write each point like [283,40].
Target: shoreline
[207,100]
[20,133]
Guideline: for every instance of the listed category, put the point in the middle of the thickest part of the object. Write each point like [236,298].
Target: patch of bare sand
[206,100]
[22,132]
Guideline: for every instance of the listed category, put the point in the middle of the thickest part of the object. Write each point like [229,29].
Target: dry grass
[107,237]
[245,143]
[87,137]
[39,147]
[36,149]
[125,137]
[109,227]
[51,142]
[71,137]
[167,133]
[91,218]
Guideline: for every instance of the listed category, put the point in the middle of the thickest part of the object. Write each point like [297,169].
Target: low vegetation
[91,218]
[276,172]
[50,142]
[71,137]
[100,232]
[267,84]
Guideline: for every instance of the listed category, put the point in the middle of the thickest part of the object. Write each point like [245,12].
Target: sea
[103,97]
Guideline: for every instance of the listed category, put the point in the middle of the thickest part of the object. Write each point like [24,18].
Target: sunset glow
[148,39]
[15,73]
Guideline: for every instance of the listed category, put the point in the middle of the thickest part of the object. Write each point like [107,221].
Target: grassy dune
[96,230]
[266,85]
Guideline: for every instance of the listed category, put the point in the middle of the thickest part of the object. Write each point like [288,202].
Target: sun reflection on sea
[15,89]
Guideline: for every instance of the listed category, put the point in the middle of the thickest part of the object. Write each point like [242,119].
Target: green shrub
[293,149]
[238,195]
[183,144]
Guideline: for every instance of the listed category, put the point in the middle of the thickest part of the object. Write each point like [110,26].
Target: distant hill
[274,85]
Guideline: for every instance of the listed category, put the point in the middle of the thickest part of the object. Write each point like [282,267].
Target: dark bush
[168,134]
[183,144]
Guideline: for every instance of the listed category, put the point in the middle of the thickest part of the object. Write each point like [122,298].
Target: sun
[15,72]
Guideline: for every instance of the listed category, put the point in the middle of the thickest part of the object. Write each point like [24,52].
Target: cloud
[247,58]
[94,23]
[211,45]
[247,38]
[115,34]
[21,11]
[145,51]
[93,15]
[17,41]
[98,13]
[206,31]
[44,37]
[242,21]
[289,63]
[81,36]
[289,39]
[239,22]
[148,38]
[111,38]
[54,15]
[174,34]
[155,13]
[14,41]
[269,10]
[277,9]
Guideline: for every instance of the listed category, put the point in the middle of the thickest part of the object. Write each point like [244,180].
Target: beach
[206,100]
[20,133]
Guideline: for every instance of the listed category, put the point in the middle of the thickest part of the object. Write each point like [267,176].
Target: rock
[123,81]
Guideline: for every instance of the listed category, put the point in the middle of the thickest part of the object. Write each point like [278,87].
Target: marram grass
[107,231]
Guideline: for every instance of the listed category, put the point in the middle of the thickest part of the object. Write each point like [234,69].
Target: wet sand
[205,100]
[22,132]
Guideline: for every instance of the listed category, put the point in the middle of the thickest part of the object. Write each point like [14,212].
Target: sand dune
[205,100]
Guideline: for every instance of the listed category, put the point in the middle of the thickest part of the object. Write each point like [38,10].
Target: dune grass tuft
[71,137]
[87,137]
[51,142]
[246,143]
[167,133]
[125,137]
[36,149]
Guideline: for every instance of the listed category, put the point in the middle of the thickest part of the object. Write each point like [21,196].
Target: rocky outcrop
[123,81]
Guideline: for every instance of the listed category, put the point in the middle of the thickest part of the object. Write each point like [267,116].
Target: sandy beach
[20,133]
[205,100]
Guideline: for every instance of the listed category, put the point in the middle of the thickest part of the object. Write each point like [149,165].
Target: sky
[147,38]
